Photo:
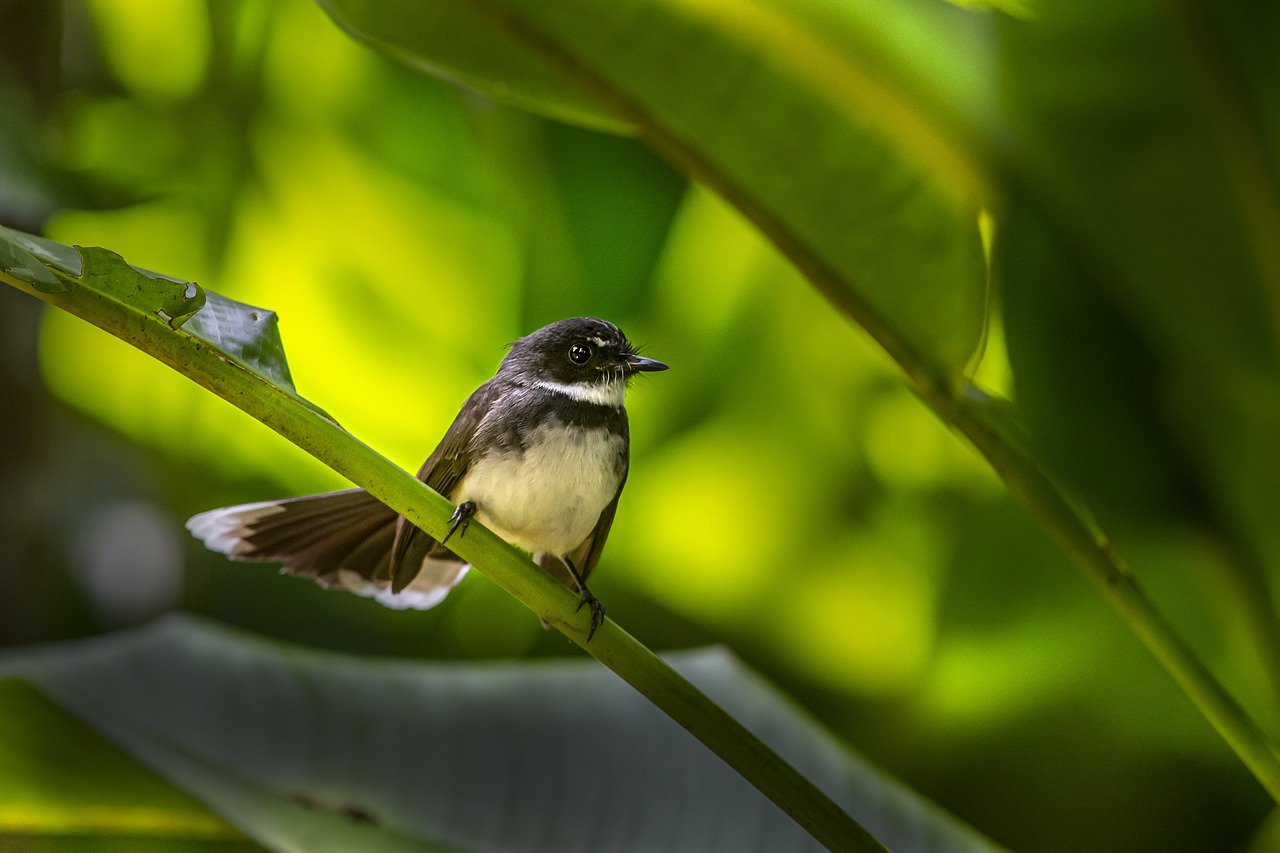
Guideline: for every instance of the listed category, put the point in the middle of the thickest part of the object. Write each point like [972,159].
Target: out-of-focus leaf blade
[1077,355]
[504,757]
[279,820]
[59,777]
[1137,172]
[452,41]
[1144,316]
[1154,163]
[817,137]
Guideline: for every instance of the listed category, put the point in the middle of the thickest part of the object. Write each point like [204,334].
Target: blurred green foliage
[55,786]
[789,496]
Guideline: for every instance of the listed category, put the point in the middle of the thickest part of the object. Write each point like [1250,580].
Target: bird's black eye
[579,353]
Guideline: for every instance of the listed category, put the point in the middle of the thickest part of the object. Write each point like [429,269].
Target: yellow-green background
[788,496]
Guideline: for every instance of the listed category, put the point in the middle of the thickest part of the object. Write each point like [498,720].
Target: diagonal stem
[975,417]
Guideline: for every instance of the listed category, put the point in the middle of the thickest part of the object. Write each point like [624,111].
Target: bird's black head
[583,357]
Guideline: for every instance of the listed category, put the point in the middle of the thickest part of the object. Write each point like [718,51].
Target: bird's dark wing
[442,471]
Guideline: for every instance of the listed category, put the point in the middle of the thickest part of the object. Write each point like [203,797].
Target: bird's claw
[461,518]
[597,611]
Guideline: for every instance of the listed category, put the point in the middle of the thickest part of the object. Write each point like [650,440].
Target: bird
[538,454]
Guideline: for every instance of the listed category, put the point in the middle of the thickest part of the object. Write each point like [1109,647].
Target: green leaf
[446,39]
[1141,263]
[1156,160]
[56,256]
[555,755]
[60,777]
[1077,355]
[171,299]
[251,334]
[244,335]
[18,259]
[1155,167]
[802,119]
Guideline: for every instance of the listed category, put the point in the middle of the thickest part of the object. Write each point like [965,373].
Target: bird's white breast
[548,497]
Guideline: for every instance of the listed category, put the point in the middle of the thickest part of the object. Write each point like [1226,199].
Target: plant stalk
[1094,555]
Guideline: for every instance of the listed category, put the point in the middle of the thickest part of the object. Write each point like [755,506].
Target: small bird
[539,454]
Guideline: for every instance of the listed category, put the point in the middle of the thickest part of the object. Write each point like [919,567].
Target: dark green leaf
[551,755]
[1153,165]
[1078,355]
[60,777]
[20,262]
[1145,172]
[252,334]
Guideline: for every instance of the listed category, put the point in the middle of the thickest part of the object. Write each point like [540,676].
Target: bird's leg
[597,609]
[461,518]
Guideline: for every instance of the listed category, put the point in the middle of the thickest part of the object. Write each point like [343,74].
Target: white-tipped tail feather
[224,529]
[340,539]
[425,591]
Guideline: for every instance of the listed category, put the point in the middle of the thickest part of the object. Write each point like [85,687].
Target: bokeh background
[789,497]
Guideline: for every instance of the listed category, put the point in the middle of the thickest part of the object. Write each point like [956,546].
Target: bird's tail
[339,539]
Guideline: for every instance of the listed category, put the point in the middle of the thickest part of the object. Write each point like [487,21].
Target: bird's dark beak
[639,364]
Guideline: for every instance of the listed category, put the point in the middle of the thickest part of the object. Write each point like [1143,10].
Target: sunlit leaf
[821,141]
[451,40]
[554,755]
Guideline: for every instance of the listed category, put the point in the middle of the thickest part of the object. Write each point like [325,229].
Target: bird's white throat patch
[607,394]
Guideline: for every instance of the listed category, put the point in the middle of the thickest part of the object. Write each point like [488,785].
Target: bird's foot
[461,518]
[597,610]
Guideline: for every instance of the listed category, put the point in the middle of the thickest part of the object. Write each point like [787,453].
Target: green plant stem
[1107,571]
[515,573]
[1243,571]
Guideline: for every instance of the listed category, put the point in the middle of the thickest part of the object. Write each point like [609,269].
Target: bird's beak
[639,364]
